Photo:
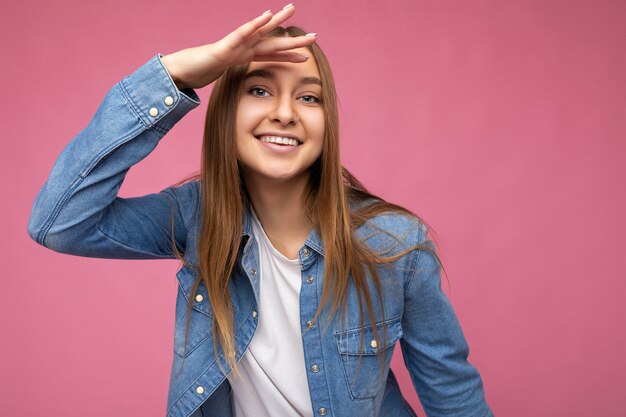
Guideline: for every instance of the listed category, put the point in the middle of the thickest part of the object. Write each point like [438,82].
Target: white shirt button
[200,390]
[154,112]
[373,344]
[254,314]
[199,298]
[322,411]
[169,101]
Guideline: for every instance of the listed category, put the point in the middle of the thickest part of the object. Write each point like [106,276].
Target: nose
[284,112]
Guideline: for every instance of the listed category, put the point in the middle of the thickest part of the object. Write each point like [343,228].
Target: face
[280,102]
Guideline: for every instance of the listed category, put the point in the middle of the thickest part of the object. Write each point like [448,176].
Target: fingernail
[266,12]
[288,6]
[311,34]
[306,56]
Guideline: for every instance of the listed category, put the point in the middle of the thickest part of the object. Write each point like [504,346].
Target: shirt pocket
[364,379]
[201,319]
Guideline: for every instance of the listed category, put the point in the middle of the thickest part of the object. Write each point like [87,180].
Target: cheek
[242,127]
[318,126]
[249,113]
[241,117]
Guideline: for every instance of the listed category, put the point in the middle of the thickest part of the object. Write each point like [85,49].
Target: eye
[253,89]
[311,99]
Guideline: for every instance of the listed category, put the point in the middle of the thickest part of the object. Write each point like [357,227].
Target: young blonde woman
[296,282]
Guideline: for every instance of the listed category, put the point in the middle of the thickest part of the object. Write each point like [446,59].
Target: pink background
[502,123]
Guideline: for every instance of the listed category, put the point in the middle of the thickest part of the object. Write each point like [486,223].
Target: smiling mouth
[280,141]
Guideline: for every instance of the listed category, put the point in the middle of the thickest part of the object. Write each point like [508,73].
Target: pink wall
[502,123]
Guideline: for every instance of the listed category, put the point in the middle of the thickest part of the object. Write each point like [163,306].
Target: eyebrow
[272,76]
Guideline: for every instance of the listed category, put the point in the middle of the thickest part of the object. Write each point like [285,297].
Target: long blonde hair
[331,193]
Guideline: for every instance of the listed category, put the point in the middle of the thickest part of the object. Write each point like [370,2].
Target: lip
[284,135]
[275,148]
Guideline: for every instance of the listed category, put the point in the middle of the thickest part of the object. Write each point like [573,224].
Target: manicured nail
[288,6]
[311,34]
[305,56]
[266,12]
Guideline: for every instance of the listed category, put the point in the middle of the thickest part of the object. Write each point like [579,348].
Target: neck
[279,206]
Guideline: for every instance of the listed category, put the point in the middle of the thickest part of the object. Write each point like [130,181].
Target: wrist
[170,67]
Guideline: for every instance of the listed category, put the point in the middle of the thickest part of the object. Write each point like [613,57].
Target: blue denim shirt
[78,212]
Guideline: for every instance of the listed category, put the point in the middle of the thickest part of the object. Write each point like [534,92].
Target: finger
[244,31]
[282,57]
[271,45]
[276,20]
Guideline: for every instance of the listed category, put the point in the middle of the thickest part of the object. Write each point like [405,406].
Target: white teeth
[280,140]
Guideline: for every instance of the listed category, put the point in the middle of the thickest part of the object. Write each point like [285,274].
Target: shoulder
[186,197]
[403,238]
[390,228]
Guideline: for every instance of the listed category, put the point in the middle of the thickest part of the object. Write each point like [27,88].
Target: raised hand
[199,66]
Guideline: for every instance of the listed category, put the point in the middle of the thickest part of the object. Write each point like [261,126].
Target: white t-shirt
[274,380]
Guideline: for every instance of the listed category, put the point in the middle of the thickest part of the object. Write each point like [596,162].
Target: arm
[434,348]
[78,212]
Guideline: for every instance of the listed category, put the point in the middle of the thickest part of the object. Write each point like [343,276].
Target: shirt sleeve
[78,211]
[434,347]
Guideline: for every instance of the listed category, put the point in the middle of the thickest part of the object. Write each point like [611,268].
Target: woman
[296,282]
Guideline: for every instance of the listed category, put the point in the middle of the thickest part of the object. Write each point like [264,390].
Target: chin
[280,176]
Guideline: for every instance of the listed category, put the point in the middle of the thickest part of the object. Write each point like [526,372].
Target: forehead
[289,69]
